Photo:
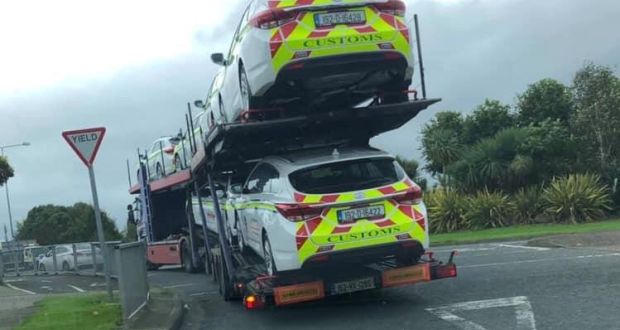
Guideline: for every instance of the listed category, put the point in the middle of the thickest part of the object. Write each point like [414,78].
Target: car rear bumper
[365,255]
[342,64]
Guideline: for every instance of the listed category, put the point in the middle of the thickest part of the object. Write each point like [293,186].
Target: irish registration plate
[361,213]
[344,17]
[353,286]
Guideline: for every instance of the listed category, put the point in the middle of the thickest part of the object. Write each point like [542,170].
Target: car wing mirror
[218,58]
[200,103]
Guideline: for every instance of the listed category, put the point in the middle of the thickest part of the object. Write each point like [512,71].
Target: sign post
[85,143]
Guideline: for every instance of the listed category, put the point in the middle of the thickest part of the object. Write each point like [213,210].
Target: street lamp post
[6,185]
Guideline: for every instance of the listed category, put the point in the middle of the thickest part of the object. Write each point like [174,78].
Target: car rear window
[347,176]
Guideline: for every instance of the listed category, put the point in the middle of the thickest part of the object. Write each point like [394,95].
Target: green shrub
[445,210]
[489,210]
[576,198]
[528,205]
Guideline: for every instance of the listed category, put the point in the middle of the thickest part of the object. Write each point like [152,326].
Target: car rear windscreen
[347,176]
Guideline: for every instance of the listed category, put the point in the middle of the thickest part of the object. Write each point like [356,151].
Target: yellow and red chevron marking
[395,188]
[299,3]
[325,233]
[302,39]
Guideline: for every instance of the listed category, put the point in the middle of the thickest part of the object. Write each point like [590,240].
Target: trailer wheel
[408,258]
[151,266]
[225,286]
[186,258]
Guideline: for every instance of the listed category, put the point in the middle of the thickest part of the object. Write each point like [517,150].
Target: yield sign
[85,142]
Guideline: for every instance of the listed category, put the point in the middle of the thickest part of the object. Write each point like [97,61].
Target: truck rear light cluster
[272,18]
[444,271]
[392,7]
[299,212]
[253,302]
[412,196]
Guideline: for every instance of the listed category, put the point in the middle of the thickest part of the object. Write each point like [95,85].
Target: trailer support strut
[203,220]
[225,247]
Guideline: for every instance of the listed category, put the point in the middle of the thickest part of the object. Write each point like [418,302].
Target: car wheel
[65,266]
[159,173]
[178,164]
[241,242]
[244,88]
[268,257]
[223,117]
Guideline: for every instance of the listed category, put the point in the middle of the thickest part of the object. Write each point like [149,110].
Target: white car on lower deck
[311,208]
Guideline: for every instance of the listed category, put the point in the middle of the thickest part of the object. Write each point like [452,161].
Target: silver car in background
[65,259]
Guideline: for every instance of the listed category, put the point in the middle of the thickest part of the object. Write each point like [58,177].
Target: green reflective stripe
[210,205]
[258,205]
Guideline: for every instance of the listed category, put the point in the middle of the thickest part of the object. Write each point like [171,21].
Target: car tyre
[268,257]
[159,173]
[243,248]
[244,89]
[223,116]
[178,164]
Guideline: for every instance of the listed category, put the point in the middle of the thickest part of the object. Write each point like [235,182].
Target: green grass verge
[522,232]
[92,311]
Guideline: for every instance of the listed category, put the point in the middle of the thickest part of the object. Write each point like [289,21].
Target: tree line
[552,156]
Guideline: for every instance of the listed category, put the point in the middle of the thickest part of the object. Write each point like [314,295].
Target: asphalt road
[49,284]
[499,286]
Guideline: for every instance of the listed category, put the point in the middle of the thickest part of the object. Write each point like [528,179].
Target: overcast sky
[131,66]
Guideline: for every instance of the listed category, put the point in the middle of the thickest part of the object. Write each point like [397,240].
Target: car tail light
[392,7]
[169,150]
[298,212]
[412,196]
[272,18]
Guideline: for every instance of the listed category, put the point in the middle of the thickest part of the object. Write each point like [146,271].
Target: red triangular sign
[85,142]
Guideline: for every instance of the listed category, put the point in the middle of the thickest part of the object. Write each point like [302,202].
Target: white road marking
[203,293]
[540,260]
[19,289]
[46,281]
[524,313]
[535,248]
[178,285]
[14,281]
[76,288]
[466,249]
